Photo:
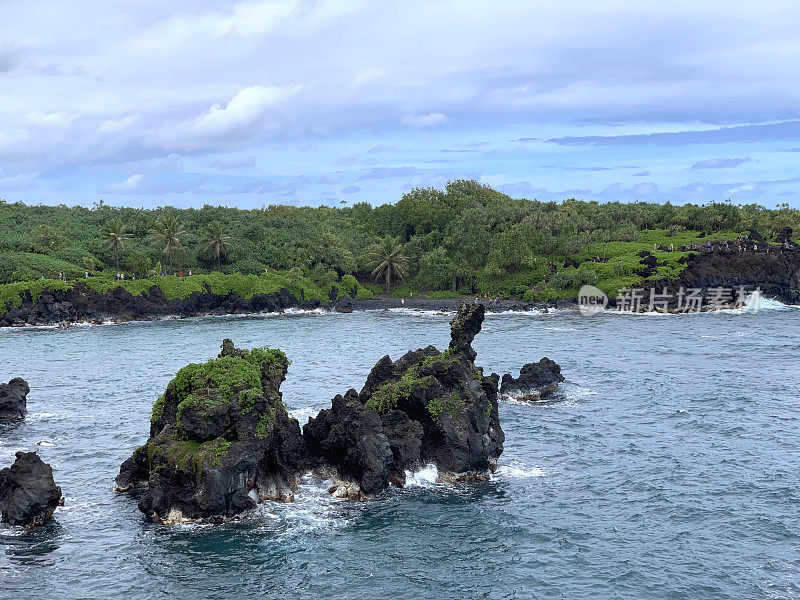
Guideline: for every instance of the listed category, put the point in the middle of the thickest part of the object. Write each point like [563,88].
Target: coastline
[777,276]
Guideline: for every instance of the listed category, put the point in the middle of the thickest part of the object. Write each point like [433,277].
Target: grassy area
[622,263]
[244,286]
[620,269]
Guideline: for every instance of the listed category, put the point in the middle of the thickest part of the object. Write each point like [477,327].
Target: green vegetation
[205,387]
[386,397]
[465,239]
[216,240]
[388,261]
[114,235]
[169,231]
[189,454]
[453,404]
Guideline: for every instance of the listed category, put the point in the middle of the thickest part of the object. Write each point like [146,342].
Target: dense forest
[465,239]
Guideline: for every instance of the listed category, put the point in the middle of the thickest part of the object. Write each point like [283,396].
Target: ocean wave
[303,413]
[425,312]
[424,477]
[517,470]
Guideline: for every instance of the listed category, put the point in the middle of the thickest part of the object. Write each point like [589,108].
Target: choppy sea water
[665,467]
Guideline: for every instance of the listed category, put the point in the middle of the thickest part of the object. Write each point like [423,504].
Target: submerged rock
[220,440]
[535,381]
[426,407]
[13,398]
[28,493]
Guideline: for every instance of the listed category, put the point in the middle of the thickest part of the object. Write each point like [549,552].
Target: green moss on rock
[387,397]
[453,404]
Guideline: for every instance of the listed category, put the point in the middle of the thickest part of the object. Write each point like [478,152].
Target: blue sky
[317,102]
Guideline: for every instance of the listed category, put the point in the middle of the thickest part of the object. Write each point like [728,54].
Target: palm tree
[114,234]
[388,261]
[169,231]
[216,239]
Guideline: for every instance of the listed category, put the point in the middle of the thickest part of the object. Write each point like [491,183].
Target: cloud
[380,148]
[589,169]
[426,120]
[243,109]
[9,60]
[526,189]
[139,184]
[130,185]
[287,186]
[389,172]
[237,162]
[263,78]
[330,179]
[788,130]
[116,125]
[351,189]
[243,118]
[720,163]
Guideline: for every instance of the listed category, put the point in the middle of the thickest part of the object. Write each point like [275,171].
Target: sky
[333,102]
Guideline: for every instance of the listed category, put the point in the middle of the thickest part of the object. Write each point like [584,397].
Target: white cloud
[127,82]
[243,109]
[54,119]
[115,125]
[243,118]
[426,120]
[131,184]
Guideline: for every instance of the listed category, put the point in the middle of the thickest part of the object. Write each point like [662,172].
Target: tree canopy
[465,238]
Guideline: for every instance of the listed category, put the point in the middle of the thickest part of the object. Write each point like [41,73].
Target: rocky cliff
[427,407]
[13,399]
[220,440]
[80,304]
[28,494]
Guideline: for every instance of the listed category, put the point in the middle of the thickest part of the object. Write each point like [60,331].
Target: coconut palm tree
[388,261]
[114,234]
[217,240]
[169,231]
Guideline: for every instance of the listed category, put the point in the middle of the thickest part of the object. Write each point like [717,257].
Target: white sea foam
[518,470]
[424,477]
[313,311]
[302,414]
[420,311]
[46,416]
[313,509]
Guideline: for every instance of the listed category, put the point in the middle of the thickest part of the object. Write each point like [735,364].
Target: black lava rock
[535,381]
[220,440]
[28,493]
[13,399]
[428,407]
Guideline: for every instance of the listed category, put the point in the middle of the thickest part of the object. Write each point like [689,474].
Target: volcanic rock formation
[220,440]
[28,493]
[13,398]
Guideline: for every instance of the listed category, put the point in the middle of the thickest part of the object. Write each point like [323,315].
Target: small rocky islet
[13,399]
[221,439]
[28,493]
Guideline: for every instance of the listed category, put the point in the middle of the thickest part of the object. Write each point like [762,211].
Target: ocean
[667,465]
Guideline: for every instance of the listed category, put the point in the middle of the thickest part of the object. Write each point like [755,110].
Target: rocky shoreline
[777,274]
[221,440]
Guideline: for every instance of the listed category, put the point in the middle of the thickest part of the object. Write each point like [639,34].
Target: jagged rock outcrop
[776,274]
[426,407]
[343,305]
[220,440]
[535,382]
[28,493]
[80,303]
[13,399]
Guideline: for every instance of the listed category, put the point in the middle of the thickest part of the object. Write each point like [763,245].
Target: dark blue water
[666,466]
